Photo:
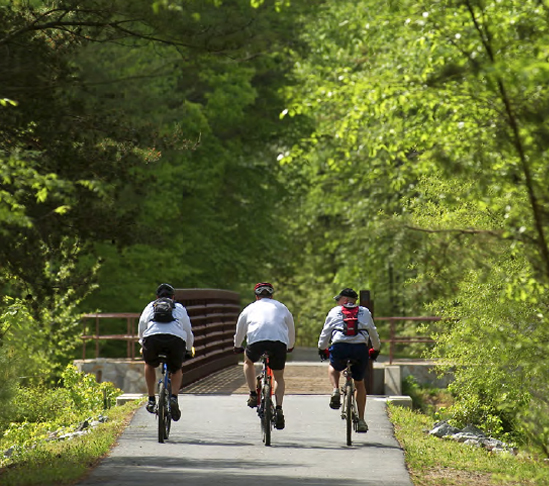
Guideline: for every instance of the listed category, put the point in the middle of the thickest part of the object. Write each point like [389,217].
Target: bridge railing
[395,340]
[92,332]
[213,314]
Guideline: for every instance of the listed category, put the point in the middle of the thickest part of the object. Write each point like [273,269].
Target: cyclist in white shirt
[266,325]
[172,336]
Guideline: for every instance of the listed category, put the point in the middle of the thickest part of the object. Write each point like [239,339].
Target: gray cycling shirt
[332,332]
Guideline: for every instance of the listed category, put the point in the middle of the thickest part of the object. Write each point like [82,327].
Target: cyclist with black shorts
[348,328]
[267,326]
[165,330]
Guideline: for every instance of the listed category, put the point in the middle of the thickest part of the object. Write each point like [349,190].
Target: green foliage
[533,424]
[86,394]
[44,341]
[38,412]
[64,161]
[402,90]
[66,461]
[218,192]
[428,179]
[8,382]
[172,5]
[426,399]
[149,149]
[495,310]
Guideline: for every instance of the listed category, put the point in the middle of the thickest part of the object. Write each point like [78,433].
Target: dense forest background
[400,147]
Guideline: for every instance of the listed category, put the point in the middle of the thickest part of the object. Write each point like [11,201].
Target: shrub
[37,413]
[427,399]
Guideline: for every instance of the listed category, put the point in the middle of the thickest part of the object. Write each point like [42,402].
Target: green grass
[64,462]
[436,462]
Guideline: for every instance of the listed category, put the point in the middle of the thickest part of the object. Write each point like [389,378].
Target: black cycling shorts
[276,349]
[358,352]
[172,346]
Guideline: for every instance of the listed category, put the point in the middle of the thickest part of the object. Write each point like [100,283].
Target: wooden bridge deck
[301,379]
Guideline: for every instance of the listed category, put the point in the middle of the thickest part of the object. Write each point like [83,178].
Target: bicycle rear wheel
[267,418]
[349,413]
[163,416]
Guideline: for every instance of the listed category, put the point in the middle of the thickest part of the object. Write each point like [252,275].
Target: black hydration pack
[163,310]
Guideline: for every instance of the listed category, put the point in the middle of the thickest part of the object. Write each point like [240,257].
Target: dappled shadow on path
[167,471]
[355,445]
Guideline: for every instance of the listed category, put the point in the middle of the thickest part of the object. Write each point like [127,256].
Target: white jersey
[265,319]
[180,326]
[333,330]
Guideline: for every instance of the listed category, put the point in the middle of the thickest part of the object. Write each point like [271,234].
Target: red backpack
[350,319]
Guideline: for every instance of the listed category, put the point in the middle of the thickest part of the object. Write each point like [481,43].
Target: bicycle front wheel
[163,418]
[267,418]
[349,413]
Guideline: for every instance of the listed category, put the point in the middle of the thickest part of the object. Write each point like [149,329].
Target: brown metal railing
[130,337]
[394,340]
[213,316]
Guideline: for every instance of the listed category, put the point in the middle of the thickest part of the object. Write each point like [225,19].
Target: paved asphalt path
[217,441]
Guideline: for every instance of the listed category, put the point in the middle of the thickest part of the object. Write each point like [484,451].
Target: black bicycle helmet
[165,290]
[263,288]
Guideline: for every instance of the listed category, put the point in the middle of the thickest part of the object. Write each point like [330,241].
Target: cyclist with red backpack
[348,328]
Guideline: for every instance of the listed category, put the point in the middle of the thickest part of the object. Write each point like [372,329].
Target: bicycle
[163,409]
[349,411]
[265,406]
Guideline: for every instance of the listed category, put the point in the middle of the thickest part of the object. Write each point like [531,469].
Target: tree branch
[105,22]
[469,231]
